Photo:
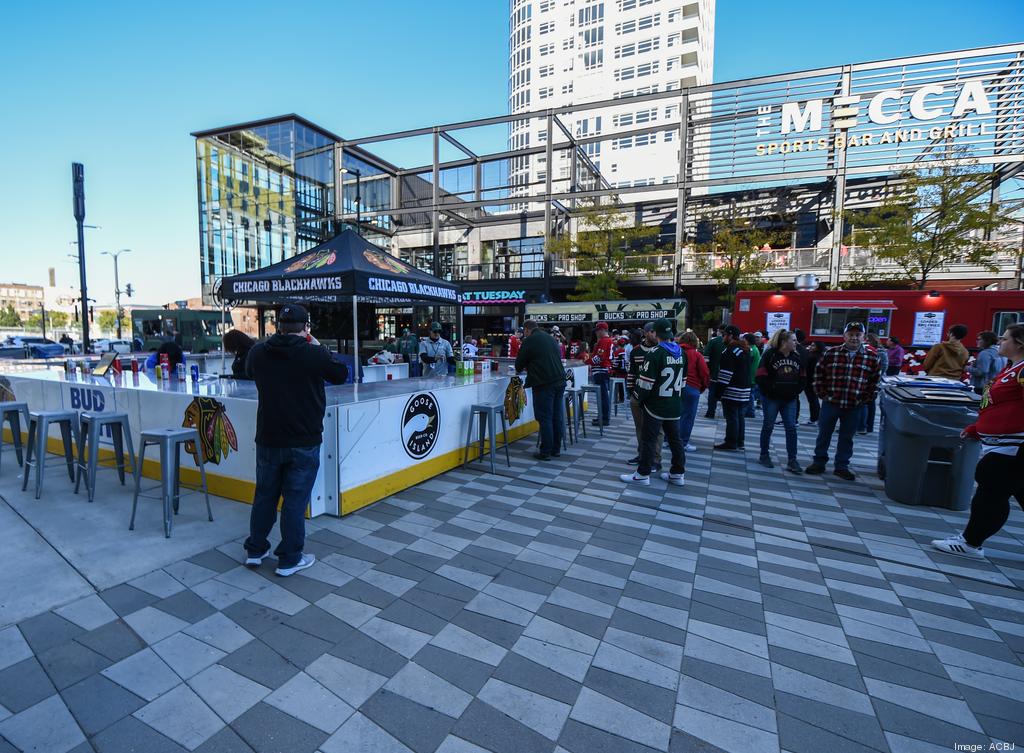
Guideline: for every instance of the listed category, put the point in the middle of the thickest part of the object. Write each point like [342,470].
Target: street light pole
[117,285]
[78,184]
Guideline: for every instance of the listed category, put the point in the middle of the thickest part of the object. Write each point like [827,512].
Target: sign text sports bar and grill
[885,116]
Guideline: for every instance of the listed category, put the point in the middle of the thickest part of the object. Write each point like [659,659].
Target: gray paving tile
[24,684]
[364,651]
[256,619]
[350,682]
[416,726]
[88,613]
[297,647]
[460,641]
[651,700]
[225,741]
[600,711]
[538,712]
[153,625]
[144,674]
[360,735]
[182,716]
[320,624]
[158,583]
[220,632]
[307,700]
[269,730]
[493,730]
[125,599]
[228,693]
[70,662]
[261,664]
[850,725]
[114,640]
[129,735]
[800,737]
[48,630]
[46,726]
[96,703]
[187,656]
[424,687]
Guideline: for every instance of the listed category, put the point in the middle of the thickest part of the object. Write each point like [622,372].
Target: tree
[940,217]
[733,257]
[605,249]
[58,319]
[107,320]
[9,317]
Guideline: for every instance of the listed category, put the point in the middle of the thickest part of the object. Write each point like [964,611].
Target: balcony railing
[503,268]
[639,266]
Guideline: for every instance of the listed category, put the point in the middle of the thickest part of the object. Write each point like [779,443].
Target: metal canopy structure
[818,126]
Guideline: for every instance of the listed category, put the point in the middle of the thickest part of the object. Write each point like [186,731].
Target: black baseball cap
[293,313]
[853,325]
[731,330]
[663,328]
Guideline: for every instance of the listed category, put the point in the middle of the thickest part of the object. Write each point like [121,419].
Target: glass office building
[267,192]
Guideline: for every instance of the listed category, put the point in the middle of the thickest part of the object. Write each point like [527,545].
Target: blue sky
[119,86]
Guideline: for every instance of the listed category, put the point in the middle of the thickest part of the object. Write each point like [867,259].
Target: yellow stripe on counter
[360,496]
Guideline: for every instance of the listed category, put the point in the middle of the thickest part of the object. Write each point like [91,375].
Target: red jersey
[513,346]
[1000,424]
[575,348]
[601,357]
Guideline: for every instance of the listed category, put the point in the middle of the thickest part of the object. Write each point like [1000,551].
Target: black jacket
[541,357]
[238,365]
[781,377]
[289,375]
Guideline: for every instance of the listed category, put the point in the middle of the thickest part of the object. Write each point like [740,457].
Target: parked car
[32,347]
[105,345]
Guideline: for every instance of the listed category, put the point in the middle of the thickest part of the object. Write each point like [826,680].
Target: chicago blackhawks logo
[320,259]
[216,434]
[383,261]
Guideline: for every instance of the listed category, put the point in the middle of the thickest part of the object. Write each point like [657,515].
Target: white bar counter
[379,438]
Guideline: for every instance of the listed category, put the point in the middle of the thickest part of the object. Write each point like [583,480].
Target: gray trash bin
[921,456]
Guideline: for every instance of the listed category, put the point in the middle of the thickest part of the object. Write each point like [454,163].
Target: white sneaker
[691,448]
[307,560]
[676,479]
[256,561]
[635,478]
[957,545]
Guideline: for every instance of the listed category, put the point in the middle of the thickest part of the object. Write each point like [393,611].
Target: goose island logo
[421,420]
[908,111]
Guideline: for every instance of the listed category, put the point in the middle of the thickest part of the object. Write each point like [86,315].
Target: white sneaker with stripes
[957,545]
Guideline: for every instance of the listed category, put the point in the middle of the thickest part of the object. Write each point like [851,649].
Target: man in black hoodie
[289,370]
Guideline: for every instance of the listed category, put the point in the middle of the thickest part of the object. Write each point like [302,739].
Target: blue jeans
[735,422]
[772,409]
[755,395]
[867,417]
[549,410]
[827,419]
[601,379]
[691,402]
[287,472]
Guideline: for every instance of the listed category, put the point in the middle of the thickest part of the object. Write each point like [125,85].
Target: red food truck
[919,318]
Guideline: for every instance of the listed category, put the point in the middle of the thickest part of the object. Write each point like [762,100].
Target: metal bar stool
[169,441]
[90,428]
[571,411]
[488,414]
[617,382]
[12,413]
[38,432]
[592,389]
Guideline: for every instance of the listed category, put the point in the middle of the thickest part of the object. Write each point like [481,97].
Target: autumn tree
[733,257]
[605,249]
[107,320]
[941,216]
[9,317]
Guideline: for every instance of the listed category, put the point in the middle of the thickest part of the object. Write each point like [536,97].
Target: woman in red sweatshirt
[697,380]
[1000,472]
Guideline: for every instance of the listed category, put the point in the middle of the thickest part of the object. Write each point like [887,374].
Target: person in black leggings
[1000,473]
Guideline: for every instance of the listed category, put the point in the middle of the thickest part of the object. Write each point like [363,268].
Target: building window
[591,14]
[544,92]
[646,116]
[546,5]
[567,88]
[546,49]
[633,4]
[546,70]
[593,37]
[546,28]
[669,136]
[593,60]
[568,44]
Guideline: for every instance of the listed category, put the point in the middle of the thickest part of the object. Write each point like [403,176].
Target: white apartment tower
[570,52]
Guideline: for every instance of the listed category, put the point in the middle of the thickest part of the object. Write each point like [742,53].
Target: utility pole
[117,285]
[78,184]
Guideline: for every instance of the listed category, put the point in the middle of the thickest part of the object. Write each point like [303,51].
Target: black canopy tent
[347,267]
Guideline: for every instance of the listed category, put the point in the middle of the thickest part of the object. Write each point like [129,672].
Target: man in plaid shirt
[845,378]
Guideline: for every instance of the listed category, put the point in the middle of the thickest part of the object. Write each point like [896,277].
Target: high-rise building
[570,52]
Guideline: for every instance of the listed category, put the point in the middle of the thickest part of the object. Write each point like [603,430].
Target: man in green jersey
[659,386]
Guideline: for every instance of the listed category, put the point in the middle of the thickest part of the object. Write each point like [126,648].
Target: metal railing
[510,267]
